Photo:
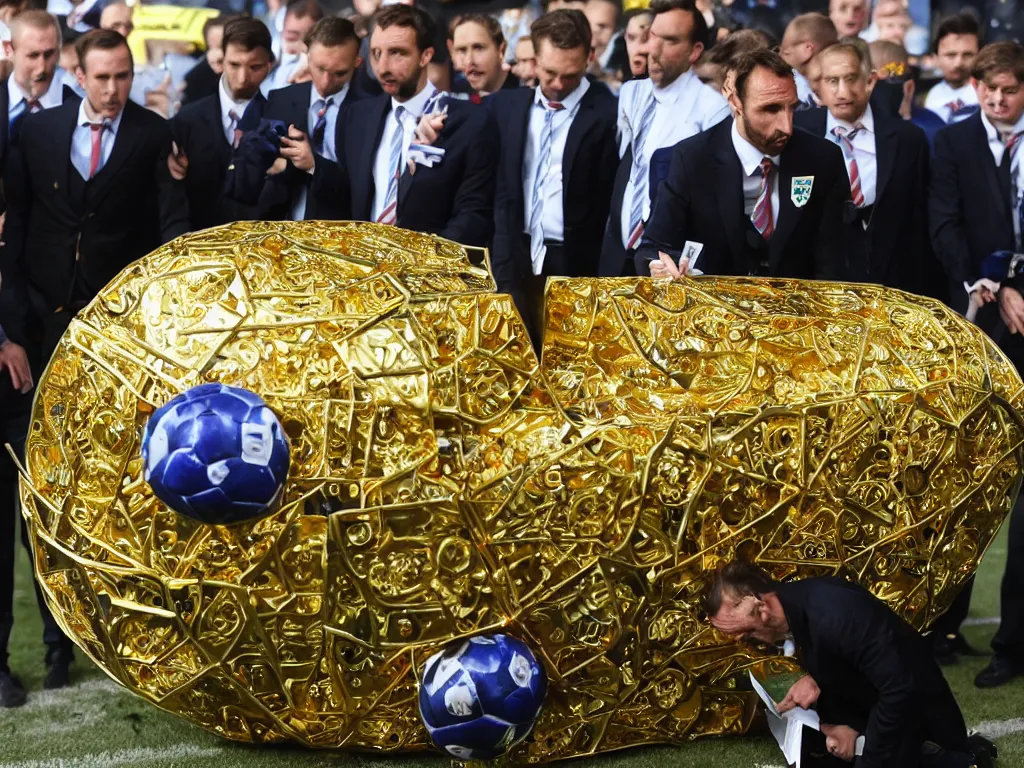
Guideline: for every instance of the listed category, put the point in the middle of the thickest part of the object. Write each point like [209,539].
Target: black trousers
[1009,639]
[15,415]
[530,298]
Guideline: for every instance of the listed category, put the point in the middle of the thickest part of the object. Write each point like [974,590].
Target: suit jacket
[702,201]
[198,130]
[969,207]
[200,81]
[290,105]
[5,119]
[894,250]
[875,672]
[453,199]
[588,174]
[67,238]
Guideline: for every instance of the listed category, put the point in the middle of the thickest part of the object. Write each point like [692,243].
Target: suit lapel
[66,128]
[301,96]
[990,170]
[886,147]
[366,156]
[728,185]
[789,214]
[520,136]
[128,133]
[581,125]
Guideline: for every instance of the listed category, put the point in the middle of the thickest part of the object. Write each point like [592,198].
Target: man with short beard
[956,45]
[671,105]
[372,179]
[751,196]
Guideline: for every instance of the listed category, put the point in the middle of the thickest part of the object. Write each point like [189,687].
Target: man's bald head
[118,17]
[34,49]
[805,36]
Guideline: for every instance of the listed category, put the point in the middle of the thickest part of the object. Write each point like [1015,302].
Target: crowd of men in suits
[810,162]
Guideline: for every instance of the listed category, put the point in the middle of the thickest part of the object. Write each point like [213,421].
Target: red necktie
[97,148]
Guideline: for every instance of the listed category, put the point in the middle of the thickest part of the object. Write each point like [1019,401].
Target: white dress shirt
[750,160]
[53,97]
[804,91]
[864,152]
[684,108]
[81,142]
[942,95]
[299,207]
[997,146]
[552,215]
[228,105]
[382,163]
[282,74]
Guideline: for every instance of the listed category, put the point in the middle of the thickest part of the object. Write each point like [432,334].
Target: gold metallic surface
[444,484]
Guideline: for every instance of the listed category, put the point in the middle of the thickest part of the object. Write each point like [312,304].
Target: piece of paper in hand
[424,154]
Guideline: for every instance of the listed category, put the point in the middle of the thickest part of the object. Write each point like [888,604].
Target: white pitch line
[121,757]
[980,621]
[70,696]
[996,729]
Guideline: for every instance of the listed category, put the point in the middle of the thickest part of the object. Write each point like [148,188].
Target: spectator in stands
[956,45]
[603,16]
[849,16]
[207,131]
[525,66]
[714,64]
[118,17]
[804,37]
[371,180]
[556,168]
[892,65]
[299,18]
[202,80]
[672,105]
[477,48]
[636,31]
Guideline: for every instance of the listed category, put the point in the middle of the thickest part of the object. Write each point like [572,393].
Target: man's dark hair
[632,13]
[737,580]
[700,26]
[215,22]
[100,40]
[489,23]
[963,23]
[413,18]
[751,60]
[304,9]
[248,34]
[1006,56]
[331,32]
[566,29]
[725,52]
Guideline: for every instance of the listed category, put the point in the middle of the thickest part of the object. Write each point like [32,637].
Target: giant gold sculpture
[443,483]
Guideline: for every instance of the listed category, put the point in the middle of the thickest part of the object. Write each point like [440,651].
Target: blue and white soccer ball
[479,698]
[217,454]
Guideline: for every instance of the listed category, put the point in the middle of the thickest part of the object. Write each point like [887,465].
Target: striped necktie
[320,128]
[236,134]
[389,214]
[845,140]
[639,176]
[761,216]
[539,178]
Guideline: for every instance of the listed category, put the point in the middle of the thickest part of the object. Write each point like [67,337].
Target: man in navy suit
[207,131]
[371,179]
[975,205]
[556,169]
[886,221]
[311,111]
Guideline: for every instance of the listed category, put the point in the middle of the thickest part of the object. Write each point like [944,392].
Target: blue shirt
[928,122]
[81,142]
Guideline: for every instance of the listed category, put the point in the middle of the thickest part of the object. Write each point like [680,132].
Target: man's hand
[666,266]
[296,148]
[1011,309]
[14,359]
[177,163]
[278,167]
[427,132]
[804,693]
[841,741]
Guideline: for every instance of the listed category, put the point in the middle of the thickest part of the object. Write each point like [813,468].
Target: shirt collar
[227,104]
[993,132]
[336,98]
[750,156]
[53,97]
[674,91]
[83,118]
[569,102]
[867,120]
[416,104]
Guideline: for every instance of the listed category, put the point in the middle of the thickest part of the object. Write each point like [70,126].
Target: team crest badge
[800,191]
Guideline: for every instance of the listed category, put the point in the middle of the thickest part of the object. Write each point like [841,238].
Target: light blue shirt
[299,208]
[81,142]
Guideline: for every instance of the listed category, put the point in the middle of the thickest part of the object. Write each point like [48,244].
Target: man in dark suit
[88,193]
[204,78]
[868,672]
[886,221]
[311,111]
[556,169]
[750,196]
[372,181]
[207,132]
[975,209]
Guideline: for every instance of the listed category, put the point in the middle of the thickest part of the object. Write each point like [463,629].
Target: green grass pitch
[97,724]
